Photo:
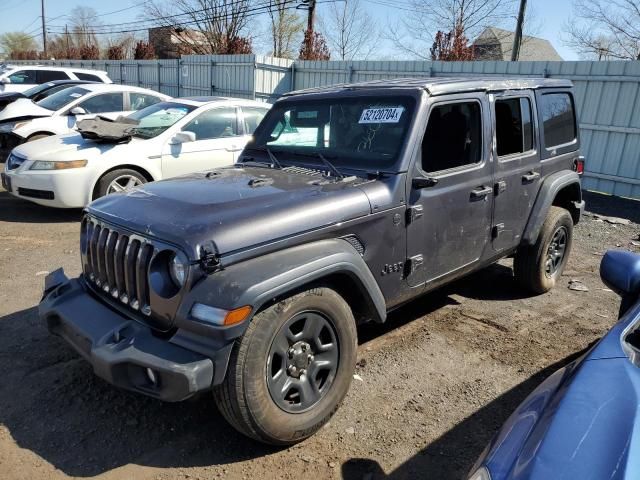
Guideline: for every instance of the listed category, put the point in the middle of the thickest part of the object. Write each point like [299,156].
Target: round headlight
[178,269]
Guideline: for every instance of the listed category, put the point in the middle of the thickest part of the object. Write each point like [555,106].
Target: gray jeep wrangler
[350,201]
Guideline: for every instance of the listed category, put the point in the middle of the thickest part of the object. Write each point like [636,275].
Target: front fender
[259,280]
[549,190]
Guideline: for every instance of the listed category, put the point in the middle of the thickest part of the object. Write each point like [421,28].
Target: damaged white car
[167,139]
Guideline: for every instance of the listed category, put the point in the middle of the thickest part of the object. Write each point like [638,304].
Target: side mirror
[5,80]
[423,182]
[183,137]
[620,271]
[78,111]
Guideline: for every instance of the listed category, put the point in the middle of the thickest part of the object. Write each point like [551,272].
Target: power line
[99,28]
[250,12]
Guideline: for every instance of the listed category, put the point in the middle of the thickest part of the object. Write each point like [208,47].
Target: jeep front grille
[117,264]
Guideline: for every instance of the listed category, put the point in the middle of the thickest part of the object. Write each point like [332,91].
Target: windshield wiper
[331,166]
[273,158]
[274,163]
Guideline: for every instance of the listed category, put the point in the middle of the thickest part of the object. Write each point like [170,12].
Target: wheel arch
[561,189]
[142,171]
[40,132]
[263,281]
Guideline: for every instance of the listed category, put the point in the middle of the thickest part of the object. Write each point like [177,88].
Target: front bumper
[119,349]
[56,188]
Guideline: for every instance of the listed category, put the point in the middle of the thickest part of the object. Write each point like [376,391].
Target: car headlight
[47,165]
[481,474]
[178,269]
[17,125]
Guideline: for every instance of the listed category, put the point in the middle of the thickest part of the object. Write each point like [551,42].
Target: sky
[24,15]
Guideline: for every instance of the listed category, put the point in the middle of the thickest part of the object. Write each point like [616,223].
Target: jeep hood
[235,208]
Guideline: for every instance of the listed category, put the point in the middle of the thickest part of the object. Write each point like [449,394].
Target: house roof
[496,44]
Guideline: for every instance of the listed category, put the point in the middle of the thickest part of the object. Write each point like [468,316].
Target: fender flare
[553,184]
[259,280]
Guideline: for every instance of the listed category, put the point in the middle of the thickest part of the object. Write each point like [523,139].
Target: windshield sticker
[75,95]
[381,115]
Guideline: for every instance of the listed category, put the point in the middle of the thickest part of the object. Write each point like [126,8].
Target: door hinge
[497,230]
[414,213]
[414,263]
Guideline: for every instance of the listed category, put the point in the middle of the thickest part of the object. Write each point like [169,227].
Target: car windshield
[365,133]
[156,118]
[33,91]
[59,99]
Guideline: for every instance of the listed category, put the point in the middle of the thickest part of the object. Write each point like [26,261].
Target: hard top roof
[205,100]
[442,85]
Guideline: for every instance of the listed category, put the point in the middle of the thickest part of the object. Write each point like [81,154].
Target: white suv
[18,78]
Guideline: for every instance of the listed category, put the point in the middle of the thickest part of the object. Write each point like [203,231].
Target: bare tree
[286,28]
[415,32]
[15,43]
[350,30]
[204,26]
[84,21]
[606,29]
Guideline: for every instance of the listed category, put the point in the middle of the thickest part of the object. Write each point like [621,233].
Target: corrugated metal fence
[607,94]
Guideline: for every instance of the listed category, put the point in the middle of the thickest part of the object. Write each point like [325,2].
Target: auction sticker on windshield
[381,115]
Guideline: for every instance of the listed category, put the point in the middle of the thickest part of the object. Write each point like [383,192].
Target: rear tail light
[578,165]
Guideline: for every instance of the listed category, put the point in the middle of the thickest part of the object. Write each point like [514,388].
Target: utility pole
[44,29]
[66,34]
[311,16]
[517,40]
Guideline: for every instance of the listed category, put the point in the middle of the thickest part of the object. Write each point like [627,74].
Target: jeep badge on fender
[248,281]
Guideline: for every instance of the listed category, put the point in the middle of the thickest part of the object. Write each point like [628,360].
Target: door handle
[233,148]
[481,192]
[530,177]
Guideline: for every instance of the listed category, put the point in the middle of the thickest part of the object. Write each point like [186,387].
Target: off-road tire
[244,398]
[107,178]
[529,264]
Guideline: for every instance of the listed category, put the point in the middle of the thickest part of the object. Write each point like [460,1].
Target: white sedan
[169,138]
[24,120]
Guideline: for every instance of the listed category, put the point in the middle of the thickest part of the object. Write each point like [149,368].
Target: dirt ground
[436,381]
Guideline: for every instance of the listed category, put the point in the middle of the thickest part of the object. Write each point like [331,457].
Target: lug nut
[304,347]
[310,358]
[290,352]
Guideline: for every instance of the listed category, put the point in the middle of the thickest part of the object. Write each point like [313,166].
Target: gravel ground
[435,382]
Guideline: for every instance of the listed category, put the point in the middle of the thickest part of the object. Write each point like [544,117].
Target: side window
[50,75]
[88,77]
[513,126]
[252,117]
[106,102]
[216,123]
[23,76]
[453,137]
[558,119]
[141,100]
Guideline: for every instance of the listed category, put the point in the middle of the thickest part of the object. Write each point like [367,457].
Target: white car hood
[23,107]
[69,147]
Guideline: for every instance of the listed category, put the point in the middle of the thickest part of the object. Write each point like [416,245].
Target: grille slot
[117,264]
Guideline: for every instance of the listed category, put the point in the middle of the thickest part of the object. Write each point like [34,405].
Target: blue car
[582,422]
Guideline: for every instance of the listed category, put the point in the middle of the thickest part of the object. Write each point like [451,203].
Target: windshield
[63,97]
[156,118]
[359,132]
[33,91]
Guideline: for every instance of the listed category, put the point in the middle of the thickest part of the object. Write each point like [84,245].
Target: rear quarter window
[88,77]
[558,119]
